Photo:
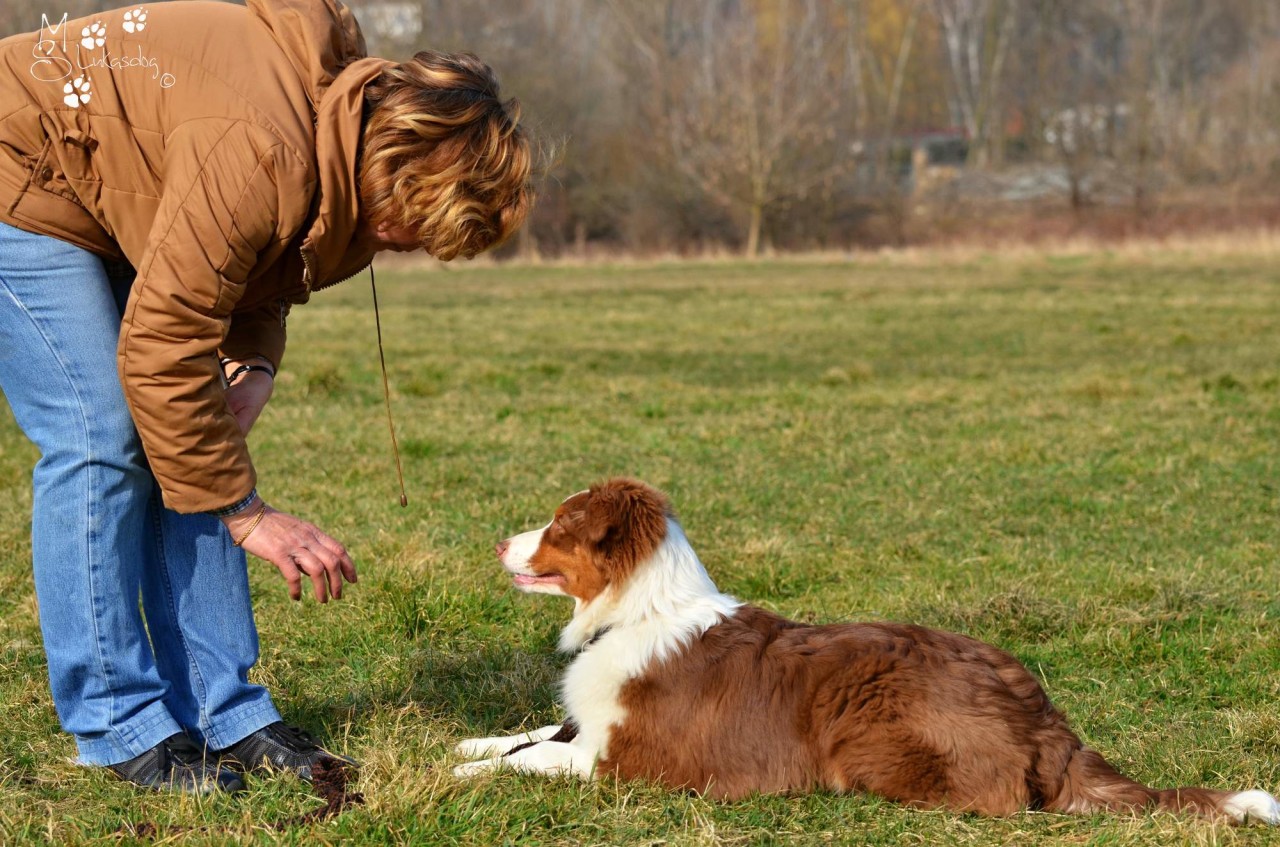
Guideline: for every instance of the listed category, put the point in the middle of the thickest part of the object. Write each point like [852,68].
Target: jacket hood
[323,42]
[319,37]
[334,239]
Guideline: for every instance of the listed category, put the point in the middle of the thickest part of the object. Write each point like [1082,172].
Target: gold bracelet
[257,519]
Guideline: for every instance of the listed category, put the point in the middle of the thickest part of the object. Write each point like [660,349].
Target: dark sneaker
[177,764]
[279,747]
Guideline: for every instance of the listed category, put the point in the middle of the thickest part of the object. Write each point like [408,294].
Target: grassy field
[1074,457]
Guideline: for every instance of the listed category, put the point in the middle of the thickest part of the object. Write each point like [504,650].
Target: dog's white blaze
[520,549]
[668,601]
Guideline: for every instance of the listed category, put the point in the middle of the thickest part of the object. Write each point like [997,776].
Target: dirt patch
[329,779]
[145,831]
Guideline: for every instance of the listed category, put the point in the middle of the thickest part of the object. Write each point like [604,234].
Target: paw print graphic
[135,20]
[93,35]
[76,91]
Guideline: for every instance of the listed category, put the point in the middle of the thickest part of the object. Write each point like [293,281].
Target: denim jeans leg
[196,596]
[101,536]
[59,324]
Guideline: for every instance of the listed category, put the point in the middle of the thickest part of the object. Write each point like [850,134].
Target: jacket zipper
[308,280]
[308,274]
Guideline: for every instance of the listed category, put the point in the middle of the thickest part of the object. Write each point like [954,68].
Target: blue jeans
[100,537]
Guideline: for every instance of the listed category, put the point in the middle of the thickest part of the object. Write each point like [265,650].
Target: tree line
[794,124]
[749,125]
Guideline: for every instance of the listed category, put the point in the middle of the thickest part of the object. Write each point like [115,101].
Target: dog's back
[930,718]
[760,703]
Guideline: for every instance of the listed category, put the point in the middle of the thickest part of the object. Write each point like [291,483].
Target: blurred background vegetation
[713,126]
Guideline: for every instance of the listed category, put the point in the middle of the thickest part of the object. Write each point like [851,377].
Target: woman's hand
[296,548]
[248,395]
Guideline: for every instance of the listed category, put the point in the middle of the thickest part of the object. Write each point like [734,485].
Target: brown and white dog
[676,682]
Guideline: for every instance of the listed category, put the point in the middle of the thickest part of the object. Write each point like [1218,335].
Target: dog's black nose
[502,548]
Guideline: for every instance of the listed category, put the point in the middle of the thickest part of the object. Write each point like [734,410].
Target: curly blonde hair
[443,156]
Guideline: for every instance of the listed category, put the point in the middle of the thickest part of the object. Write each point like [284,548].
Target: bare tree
[1249,133]
[977,35]
[745,101]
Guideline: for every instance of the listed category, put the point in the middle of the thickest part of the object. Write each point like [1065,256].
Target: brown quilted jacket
[213,147]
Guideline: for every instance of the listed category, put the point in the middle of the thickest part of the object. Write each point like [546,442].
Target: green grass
[1073,457]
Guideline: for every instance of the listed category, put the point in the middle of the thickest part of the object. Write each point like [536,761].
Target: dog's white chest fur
[668,601]
[591,691]
[665,603]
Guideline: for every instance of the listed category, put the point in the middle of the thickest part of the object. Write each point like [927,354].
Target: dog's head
[596,540]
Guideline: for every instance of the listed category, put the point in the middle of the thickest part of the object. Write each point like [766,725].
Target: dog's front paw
[1245,806]
[474,769]
[500,745]
[477,748]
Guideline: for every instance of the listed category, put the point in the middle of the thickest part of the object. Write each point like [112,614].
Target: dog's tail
[1091,785]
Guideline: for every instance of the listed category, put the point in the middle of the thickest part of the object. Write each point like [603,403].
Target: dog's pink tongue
[535,579]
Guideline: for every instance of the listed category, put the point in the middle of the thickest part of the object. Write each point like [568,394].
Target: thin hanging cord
[386,389]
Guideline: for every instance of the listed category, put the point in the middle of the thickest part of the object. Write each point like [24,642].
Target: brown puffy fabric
[213,147]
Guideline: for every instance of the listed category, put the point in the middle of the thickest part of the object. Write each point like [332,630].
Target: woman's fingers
[292,577]
[325,570]
[315,570]
[346,567]
[248,397]
[299,549]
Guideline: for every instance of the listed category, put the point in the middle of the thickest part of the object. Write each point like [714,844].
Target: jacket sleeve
[257,332]
[224,209]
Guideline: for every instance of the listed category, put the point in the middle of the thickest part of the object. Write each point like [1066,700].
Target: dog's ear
[626,520]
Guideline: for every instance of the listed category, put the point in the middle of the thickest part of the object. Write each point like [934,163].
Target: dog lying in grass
[678,683]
